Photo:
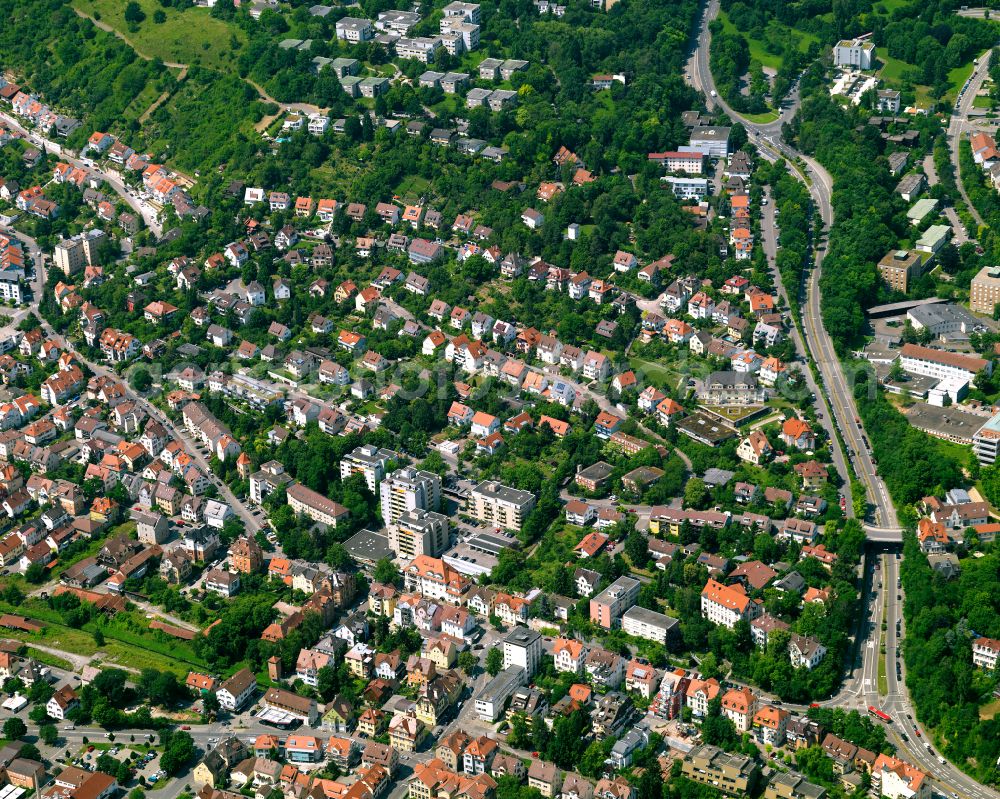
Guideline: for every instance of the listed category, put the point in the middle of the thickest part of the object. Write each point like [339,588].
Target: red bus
[874,711]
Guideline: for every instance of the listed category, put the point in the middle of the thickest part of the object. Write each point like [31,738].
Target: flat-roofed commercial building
[984,291]
[941,364]
[857,53]
[709,765]
[899,267]
[491,703]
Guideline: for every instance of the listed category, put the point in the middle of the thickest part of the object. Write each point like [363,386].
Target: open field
[132,647]
[990,710]
[758,50]
[655,373]
[896,73]
[189,36]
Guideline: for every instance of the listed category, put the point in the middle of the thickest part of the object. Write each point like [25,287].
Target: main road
[838,395]
[960,125]
[881,586]
[769,243]
[916,748]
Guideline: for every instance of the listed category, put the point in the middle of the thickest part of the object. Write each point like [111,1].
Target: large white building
[985,653]
[500,505]
[687,188]
[522,647]
[491,702]
[692,162]
[941,364]
[712,142]
[644,623]
[857,53]
[419,532]
[726,605]
[409,489]
[369,460]
[353,29]
[896,779]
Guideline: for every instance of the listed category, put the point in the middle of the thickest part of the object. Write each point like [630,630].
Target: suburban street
[140,207]
[252,521]
[960,125]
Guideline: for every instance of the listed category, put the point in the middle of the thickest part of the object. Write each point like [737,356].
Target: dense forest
[942,618]
[909,460]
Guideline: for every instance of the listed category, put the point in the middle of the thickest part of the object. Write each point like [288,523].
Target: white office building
[940,363]
[856,53]
[522,647]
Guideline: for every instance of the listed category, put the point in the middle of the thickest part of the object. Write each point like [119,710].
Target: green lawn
[412,187]
[957,78]
[888,6]
[657,374]
[982,102]
[128,641]
[758,51]
[959,452]
[49,659]
[990,710]
[896,72]
[763,119]
[189,36]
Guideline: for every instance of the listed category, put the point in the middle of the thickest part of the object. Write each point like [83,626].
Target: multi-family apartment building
[500,505]
[409,489]
[607,607]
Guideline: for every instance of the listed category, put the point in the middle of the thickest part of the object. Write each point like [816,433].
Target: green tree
[48,734]
[141,379]
[637,549]
[494,662]
[386,572]
[467,662]
[14,728]
[134,13]
[35,573]
[695,492]
[178,751]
